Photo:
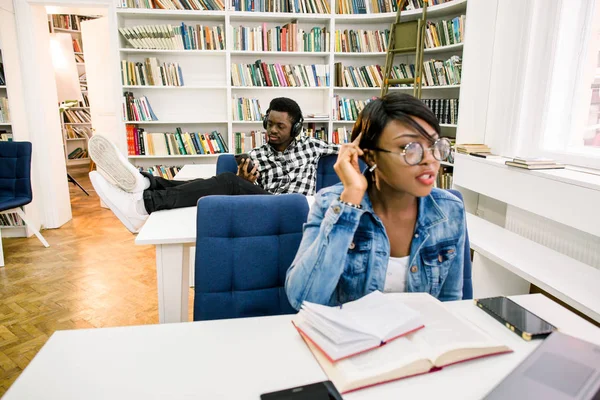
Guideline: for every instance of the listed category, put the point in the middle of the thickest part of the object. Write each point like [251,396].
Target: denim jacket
[344,251]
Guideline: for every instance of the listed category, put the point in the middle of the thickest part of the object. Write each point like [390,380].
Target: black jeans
[164,194]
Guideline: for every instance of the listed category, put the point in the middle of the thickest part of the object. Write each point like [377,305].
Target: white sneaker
[113,165]
[122,204]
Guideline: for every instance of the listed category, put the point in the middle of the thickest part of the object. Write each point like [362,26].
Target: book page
[444,331]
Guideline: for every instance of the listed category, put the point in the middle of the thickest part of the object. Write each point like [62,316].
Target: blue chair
[326,175]
[244,247]
[226,163]
[15,183]
[467,281]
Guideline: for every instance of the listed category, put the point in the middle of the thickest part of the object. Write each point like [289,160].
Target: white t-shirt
[395,279]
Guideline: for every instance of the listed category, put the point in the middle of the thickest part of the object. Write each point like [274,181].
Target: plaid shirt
[294,169]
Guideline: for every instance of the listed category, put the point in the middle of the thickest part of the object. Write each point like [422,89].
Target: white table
[173,232]
[242,358]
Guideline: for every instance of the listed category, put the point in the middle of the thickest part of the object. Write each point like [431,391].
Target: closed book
[535,166]
[446,339]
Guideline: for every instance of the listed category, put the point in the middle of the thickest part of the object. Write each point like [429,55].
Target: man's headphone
[296,128]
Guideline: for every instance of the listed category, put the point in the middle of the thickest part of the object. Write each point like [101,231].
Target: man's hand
[251,176]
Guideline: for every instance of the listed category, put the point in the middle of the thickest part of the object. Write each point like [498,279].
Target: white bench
[571,281]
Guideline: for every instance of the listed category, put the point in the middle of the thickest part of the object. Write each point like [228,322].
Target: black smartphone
[516,318]
[317,391]
[240,159]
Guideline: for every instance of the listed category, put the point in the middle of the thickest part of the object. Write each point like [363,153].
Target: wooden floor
[91,276]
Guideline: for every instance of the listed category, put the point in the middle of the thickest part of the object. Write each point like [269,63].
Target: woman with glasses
[388,228]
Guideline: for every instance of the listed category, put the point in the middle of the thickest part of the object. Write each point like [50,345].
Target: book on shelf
[281,38]
[320,117]
[6,136]
[381,6]
[444,178]
[175,37]
[201,5]
[151,73]
[4,110]
[446,339]
[137,109]
[279,75]
[69,21]
[178,143]
[77,45]
[361,41]
[316,132]
[162,171]
[467,148]
[345,109]
[534,163]
[296,6]
[11,219]
[77,116]
[246,109]
[435,73]
[356,327]
[78,153]
[77,132]
[2,77]
[79,59]
[445,110]
[444,32]
[246,141]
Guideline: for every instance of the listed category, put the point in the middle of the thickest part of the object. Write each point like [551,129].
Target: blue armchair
[226,163]
[244,247]
[15,183]
[326,175]
[467,281]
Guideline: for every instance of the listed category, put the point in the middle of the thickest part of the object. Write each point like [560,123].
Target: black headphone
[296,128]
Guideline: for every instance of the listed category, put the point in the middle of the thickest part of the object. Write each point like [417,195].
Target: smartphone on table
[516,318]
[240,158]
[316,391]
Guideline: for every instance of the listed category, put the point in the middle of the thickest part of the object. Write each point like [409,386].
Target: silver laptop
[561,368]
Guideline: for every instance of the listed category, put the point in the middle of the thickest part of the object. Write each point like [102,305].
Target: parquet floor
[91,276]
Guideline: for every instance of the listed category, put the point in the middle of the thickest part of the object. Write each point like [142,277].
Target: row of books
[246,109]
[68,21]
[316,132]
[11,219]
[279,75]
[151,73]
[341,135]
[280,38]
[78,153]
[77,116]
[142,143]
[345,109]
[137,109]
[291,6]
[4,110]
[445,110]
[445,32]
[444,178]
[379,6]
[175,37]
[215,5]
[243,142]
[77,132]
[6,136]
[2,78]
[77,45]
[162,171]
[361,41]
[79,58]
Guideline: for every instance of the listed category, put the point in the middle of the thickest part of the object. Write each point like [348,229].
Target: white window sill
[568,196]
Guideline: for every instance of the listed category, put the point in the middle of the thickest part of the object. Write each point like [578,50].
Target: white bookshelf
[205,102]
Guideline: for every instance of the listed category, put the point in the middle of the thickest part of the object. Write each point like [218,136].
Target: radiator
[564,239]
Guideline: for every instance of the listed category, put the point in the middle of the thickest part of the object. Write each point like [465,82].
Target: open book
[445,340]
[357,326]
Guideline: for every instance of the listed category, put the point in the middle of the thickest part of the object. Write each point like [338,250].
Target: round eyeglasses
[414,152]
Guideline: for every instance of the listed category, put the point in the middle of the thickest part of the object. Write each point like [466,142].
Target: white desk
[240,359]
[173,232]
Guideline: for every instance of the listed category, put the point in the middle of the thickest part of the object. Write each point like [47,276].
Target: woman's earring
[373,168]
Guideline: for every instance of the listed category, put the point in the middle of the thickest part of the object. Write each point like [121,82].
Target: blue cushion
[226,163]
[467,281]
[326,175]
[244,247]
[15,174]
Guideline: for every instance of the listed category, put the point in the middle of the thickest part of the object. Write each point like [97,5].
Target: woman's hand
[348,170]
[251,176]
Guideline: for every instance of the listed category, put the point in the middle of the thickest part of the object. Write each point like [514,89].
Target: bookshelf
[70,23]
[206,100]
